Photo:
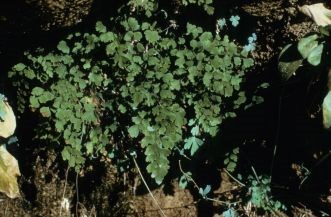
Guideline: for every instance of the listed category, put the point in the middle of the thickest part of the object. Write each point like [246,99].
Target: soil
[290,118]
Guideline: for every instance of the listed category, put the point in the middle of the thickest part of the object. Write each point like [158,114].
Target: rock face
[61,13]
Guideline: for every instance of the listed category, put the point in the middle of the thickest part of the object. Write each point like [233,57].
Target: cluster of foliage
[133,88]
[205,3]
[261,194]
[136,88]
[259,187]
[97,84]
[119,91]
[150,6]
[231,159]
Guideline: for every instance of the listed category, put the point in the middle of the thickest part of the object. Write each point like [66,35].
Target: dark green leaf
[99,27]
[195,130]
[133,24]
[133,131]
[45,112]
[62,46]
[289,61]
[151,36]
[19,67]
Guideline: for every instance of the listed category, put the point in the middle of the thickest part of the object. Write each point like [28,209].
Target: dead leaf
[8,122]
[9,170]
[320,14]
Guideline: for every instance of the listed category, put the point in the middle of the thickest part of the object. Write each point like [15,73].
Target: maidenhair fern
[138,89]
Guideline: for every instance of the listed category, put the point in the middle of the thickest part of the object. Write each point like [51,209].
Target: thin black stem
[276,141]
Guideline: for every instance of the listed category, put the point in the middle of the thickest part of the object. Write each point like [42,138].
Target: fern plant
[150,6]
[207,4]
[261,196]
[147,6]
[231,159]
[135,90]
